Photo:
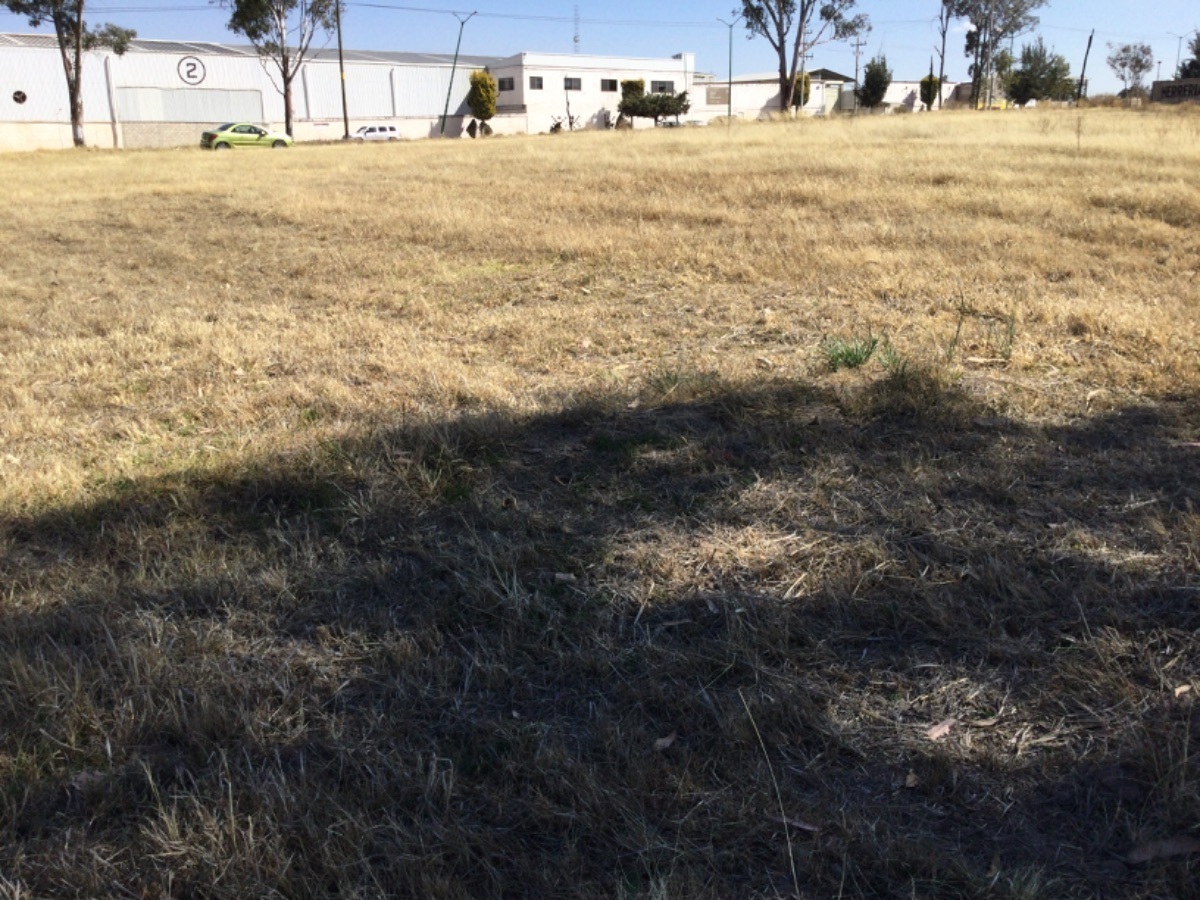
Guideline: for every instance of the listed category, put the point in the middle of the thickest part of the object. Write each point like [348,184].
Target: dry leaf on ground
[941,729]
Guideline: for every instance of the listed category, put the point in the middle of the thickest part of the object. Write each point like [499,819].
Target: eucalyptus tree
[993,22]
[282,32]
[1130,63]
[74,38]
[794,27]
[947,12]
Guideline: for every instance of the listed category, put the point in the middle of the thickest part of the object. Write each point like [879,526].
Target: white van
[377,133]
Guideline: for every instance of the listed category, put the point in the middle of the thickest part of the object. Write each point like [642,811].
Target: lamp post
[337,14]
[462,23]
[729,97]
[1178,51]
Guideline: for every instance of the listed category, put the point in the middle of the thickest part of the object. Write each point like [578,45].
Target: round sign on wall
[191,70]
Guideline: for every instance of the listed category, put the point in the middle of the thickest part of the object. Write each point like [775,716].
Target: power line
[519,17]
[526,17]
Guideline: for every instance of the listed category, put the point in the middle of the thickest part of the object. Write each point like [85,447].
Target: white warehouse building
[165,93]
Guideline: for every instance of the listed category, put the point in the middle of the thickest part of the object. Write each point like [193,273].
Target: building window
[505,84]
[573,84]
[608,84]
[535,82]
[662,87]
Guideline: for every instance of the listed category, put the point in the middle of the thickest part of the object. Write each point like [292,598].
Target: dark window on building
[662,87]
[608,84]
[505,84]
[535,82]
[573,84]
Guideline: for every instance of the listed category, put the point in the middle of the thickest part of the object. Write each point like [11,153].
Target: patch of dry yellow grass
[165,308]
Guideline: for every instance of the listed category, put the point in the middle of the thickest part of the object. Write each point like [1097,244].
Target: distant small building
[539,90]
[757,96]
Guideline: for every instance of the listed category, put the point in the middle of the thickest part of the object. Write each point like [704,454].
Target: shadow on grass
[689,646]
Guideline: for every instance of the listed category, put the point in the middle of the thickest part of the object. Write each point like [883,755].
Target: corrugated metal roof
[40,41]
[220,49]
[174,48]
[403,59]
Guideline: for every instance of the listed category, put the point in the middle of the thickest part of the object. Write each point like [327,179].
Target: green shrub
[482,96]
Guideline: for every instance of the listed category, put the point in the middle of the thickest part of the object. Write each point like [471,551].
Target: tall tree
[1130,63]
[1190,68]
[947,12]
[992,23]
[1042,75]
[282,32]
[877,78]
[794,27]
[74,37]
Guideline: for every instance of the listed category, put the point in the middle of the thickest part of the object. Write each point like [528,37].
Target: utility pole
[337,15]
[858,45]
[462,23]
[943,29]
[805,56]
[729,97]
[1083,69]
[1178,52]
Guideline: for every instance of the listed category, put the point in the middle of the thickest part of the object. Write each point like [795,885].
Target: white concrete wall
[17,136]
[759,99]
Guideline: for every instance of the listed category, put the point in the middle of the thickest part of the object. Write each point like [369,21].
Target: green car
[240,134]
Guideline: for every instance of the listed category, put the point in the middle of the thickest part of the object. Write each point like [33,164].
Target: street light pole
[1178,51]
[729,97]
[462,23]
[337,14]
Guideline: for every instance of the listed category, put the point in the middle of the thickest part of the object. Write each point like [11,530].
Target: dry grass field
[518,518]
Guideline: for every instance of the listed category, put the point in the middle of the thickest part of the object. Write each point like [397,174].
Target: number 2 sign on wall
[191,70]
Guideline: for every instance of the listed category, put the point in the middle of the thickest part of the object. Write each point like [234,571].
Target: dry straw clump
[481,519]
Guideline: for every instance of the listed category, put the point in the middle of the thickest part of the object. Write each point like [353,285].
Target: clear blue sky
[901,29]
